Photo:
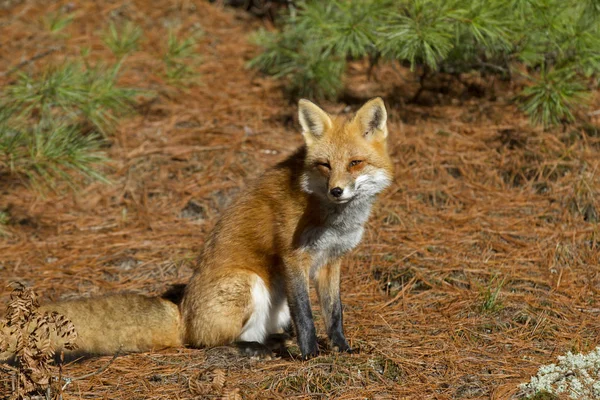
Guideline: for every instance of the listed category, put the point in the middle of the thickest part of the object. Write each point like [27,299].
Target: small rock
[193,210]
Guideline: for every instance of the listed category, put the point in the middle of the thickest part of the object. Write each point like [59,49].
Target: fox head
[346,159]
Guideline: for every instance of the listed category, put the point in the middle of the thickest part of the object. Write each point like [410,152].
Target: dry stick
[399,74]
[68,381]
[589,310]
[32,59]
[421,89]
[594,113]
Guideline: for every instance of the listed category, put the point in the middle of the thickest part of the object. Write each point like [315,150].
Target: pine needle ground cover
[478,266]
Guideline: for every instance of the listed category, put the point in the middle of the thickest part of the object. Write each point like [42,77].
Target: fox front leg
[327,282]
[299,303]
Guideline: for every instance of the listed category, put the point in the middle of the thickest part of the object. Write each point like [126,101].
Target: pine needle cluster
[53,125]
[181,57]
[122,40]
[553,44]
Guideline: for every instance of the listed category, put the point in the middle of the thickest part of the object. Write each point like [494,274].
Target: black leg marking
[328,289]
[303,319]
[335,330]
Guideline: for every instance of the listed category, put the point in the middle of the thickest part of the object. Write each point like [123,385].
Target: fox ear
[372,119]
[314,120]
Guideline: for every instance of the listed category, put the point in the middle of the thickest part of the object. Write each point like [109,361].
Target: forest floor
[478,265]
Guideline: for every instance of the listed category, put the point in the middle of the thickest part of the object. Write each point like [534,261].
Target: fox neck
[353,213]
[334,229]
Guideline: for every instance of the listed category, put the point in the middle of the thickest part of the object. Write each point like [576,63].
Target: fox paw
[277,342]
[345,349]
[342,346]
[255,350]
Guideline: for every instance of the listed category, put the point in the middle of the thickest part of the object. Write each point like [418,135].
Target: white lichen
[575,375]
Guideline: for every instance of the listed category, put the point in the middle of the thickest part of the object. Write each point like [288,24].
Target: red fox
[290,227]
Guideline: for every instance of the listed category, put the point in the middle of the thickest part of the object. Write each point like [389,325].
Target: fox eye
[354,163]
[324,164]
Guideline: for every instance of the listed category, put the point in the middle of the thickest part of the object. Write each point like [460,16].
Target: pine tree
[556,43]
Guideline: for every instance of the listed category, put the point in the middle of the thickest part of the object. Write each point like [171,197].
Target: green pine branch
[556,41]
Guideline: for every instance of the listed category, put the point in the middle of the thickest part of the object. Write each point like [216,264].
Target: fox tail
[102,326]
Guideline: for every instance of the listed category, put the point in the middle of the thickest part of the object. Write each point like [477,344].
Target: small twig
[373,60]
[68,381]
[508,71]
[32,59]
[422,78]
[397,71]
[495,67]
[589,310]
[593,113]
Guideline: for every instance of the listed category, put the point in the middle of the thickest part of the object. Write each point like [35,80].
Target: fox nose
[336,192]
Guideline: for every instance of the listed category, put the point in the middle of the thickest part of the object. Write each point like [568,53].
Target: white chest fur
[341,230]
